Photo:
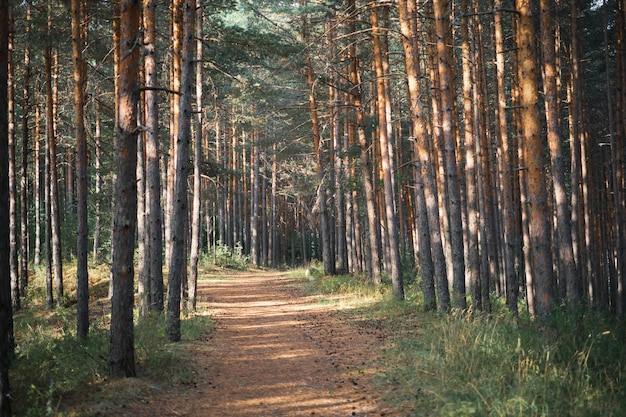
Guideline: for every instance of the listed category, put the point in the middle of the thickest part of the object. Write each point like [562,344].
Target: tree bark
[121,342]
[6,314]
[387,162]
[533,152]
[180,217]
[563,233]
[442,27]
[55,214]
[504,166]
[24,235]
[197,164]
[154,250]
[13,235]
[80,78]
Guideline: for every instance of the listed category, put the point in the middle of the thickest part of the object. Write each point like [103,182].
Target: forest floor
[274,351]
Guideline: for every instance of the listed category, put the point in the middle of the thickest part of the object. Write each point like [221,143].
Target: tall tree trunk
[567,265]
[175,80]
[471,197]
[55,211]
[533,152]
[504,165]
[6,314]
[387,162]
[197,164]
[121,341]
[254,200]
[13,235]
[329,262]
[154,250]
[180,217]
[143,262]
[47,179]
[98,178]
[24,235]
[38,177]
[442,27]
[80,78]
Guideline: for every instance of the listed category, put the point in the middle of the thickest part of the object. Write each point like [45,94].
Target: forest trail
[275,352]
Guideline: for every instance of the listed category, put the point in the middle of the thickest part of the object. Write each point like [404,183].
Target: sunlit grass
[53,367]
[469,364]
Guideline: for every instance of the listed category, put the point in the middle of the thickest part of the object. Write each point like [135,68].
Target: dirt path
[276,352]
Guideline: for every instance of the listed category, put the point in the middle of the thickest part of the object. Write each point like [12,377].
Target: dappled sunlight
[274,353]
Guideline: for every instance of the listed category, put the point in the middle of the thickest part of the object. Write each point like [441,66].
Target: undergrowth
[57,374]
[471,364]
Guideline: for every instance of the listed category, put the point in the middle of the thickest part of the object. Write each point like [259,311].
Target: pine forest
[462,160]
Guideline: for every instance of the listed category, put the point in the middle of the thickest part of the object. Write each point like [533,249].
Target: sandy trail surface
[274,352]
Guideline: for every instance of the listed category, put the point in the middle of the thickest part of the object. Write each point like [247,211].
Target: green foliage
[469,364]
[226,257]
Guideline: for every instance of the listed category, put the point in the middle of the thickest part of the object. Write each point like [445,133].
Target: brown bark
[154,230]
[6,315]
[121,342]
[563,232]
[533,152]
[55,215]
[471,196]
[504,166]
[442,27]
[24,235]
[197,164]
[180,216]
[386,162]
[80,78]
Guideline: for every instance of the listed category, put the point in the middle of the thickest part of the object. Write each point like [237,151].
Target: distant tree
[6,314]
[121,342]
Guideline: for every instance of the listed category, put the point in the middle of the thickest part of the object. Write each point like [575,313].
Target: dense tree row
[475,146]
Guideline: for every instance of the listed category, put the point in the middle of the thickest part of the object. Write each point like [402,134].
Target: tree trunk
[39,175]
[47,177]
[387,163]
[197,164]
[6,314]
[55,214]
[329,262]
[121,342]
[504,166]
[568,271]
[442,27]
[13,245]
[80,78]
[533,152]
[98,179]
[180,218]
[154,249]
[24,239]
[471,197]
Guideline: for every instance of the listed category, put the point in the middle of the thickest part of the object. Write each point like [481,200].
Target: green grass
[57,374]
[476,365]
